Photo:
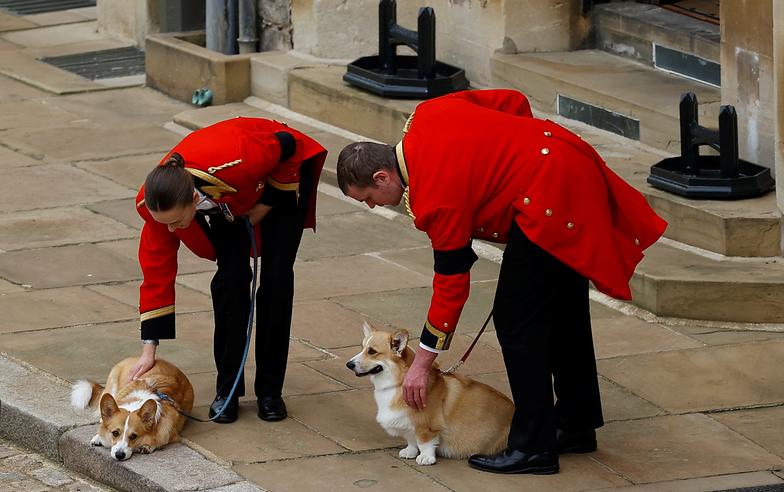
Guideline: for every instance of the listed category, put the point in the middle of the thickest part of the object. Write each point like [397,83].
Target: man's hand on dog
[415,384]
[144,364]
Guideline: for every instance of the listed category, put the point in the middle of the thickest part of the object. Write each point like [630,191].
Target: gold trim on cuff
[157,313]
[444,339]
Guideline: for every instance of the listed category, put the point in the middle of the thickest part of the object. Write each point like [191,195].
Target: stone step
[671,281]
[607,91]
[636,31]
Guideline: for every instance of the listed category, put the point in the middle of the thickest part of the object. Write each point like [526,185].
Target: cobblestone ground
[21,470]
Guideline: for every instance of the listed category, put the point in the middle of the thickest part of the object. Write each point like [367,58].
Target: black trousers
[542,320]
[281,232]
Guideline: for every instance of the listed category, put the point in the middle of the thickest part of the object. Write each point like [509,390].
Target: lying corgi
[134,419]
[462,417]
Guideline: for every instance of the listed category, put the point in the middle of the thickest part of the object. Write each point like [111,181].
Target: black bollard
[414,77]
[719,177]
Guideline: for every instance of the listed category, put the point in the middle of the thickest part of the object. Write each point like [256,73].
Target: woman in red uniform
[201,195]
[476,164]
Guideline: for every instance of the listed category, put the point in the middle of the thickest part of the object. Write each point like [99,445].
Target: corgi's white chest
[394,421]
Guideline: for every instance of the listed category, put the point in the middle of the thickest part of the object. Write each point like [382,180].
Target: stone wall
[129,20]
[747,75]
[778,84]
[468,32]
[275,29]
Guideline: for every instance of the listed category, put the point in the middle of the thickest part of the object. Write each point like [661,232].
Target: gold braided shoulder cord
[408,205]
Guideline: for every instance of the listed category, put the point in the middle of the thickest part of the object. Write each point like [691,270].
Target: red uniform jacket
[477,160]
[232,162]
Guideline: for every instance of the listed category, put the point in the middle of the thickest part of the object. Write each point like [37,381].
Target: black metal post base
[752,180]
[369,74]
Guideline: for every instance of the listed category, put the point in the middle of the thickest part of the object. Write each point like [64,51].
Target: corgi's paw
[145,449]
[96,441]
[409,452]
[426,459]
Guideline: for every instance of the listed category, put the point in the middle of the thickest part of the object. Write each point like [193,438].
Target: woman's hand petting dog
[144,364]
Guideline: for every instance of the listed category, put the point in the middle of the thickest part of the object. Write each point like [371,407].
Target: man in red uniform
[476,164]
[198,195]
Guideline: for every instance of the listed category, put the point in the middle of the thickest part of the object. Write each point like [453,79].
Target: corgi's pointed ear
[108,406]
[399,342]
[148,412]
[366,328]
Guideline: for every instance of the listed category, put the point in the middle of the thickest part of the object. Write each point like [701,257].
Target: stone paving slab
[677,447]
[55,185]
[116,108]
[173,468]
[327,324]
[7,287]
[128,293]
[65,266]
[746,482]
[58,227]
[26,112]
[615,335]
[10,22]
[761,425]
[421,260]
[82,143]
[346,417]
[44,37]
[333,232]
[376,471]
[63,16]
[407,308]
[336,369]
[9,159]
[128,171]
[52,308]
[24,419]
[187,261]
[251,439]
[710,335]
[703,379]
[578,472]
[122,210]
[21,470]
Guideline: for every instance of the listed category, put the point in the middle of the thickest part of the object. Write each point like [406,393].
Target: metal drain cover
[27,7]
[105,64]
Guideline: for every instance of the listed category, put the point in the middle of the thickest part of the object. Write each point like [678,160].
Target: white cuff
[430,349]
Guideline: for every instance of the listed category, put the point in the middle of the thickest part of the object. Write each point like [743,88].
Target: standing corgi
[133,416]
[462,417]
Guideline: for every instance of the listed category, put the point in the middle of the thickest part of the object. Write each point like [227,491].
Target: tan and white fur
[462,416]
[134,419]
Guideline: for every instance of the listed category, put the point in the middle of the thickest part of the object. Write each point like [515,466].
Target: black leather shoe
[514,461]
[272,408]
[229,414]
[576,441]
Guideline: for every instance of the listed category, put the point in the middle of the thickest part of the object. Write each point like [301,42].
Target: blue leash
[167,398]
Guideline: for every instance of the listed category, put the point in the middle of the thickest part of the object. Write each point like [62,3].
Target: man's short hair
[358,162]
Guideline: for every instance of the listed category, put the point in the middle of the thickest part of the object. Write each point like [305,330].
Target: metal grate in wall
[28,7]
[105,64]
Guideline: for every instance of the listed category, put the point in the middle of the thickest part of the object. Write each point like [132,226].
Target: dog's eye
[132,437]
[115,433]
[372,351]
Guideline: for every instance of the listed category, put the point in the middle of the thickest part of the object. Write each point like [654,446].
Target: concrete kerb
[35,413]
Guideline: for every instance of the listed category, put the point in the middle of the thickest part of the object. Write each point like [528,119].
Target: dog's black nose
[120,455]
[350,364]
